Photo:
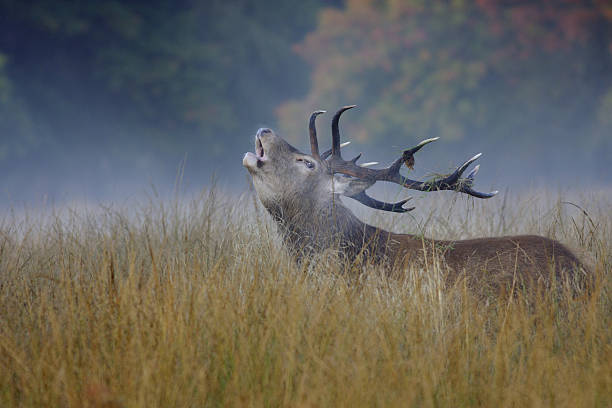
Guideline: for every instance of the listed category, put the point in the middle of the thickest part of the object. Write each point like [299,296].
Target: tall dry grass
[197,304]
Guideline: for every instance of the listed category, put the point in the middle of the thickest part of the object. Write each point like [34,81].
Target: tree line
[135,82]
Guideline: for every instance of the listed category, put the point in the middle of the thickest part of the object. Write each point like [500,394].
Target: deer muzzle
[255,160]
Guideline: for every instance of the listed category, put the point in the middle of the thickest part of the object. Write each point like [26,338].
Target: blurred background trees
[92,92]
[527,81]
[97,96]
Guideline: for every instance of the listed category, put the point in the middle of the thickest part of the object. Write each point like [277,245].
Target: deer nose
[263,131]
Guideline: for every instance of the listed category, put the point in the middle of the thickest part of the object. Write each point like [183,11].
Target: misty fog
[107,102]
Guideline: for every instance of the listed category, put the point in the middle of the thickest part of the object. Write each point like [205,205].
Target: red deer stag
[302,191]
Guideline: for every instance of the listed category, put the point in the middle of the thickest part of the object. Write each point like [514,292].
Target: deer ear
[349,186]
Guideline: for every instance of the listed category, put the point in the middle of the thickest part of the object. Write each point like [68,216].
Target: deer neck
[316,226]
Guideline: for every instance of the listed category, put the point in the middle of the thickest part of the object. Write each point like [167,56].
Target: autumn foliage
[489,70]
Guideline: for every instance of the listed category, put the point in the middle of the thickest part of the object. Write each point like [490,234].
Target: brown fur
[520,261]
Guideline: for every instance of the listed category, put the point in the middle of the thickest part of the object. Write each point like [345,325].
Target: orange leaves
[549,26]
[438,68]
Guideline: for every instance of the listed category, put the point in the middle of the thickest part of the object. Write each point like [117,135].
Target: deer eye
[308,163]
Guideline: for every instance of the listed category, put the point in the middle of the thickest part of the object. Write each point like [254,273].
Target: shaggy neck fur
[309,226]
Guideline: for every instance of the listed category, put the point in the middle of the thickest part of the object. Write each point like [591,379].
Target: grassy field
[194,303]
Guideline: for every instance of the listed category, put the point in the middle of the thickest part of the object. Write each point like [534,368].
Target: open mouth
[259,150]
[253,161]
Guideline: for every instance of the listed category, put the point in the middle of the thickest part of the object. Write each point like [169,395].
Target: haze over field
[101,100]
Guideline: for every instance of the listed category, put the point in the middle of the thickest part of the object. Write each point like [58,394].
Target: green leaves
[184,74]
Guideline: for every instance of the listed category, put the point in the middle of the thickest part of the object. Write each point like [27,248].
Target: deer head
[283,173]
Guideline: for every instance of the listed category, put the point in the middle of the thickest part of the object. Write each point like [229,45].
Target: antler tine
[473,172]
[465,165]
[335,150]
[365,199]
[420,145]
[327,152]
[314,143]
[408,154]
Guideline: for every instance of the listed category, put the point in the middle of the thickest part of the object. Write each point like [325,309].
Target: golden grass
[197,304]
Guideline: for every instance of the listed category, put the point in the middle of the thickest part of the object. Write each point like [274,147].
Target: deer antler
[314,144]
[453,181]
[362,197]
